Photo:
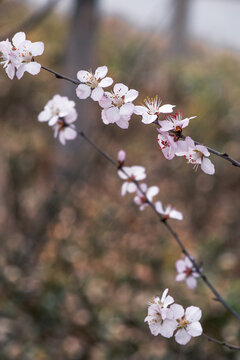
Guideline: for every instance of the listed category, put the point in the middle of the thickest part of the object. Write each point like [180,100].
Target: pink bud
[121,157]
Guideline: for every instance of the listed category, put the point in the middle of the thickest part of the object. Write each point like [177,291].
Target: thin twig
[162,219]
[223,343]
[60,76]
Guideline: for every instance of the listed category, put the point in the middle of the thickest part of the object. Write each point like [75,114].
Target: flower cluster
[187,272]
[143,194]
[60,113]
[167,319]
[172,143]
[19,54]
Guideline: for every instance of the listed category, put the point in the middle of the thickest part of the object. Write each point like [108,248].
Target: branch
[162,219]
[223,343]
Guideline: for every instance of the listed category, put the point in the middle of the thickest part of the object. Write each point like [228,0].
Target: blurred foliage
[78,263]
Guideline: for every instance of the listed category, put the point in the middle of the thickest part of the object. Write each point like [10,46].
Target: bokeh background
[78,263]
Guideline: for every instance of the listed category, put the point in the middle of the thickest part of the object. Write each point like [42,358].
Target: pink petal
[180,265]
[62,138]
[127,109]
[124,188]
[10,70]
[191,282]
[70,133]
[166,125]
[112,114]
[148,119]
[123,122]
[139,110]
[83,91]
[105,102]
[180,277]
[44,115]
[53,120]
[120,89]
[178,311]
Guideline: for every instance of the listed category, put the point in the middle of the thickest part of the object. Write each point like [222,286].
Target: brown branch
[223,343]
[162,219]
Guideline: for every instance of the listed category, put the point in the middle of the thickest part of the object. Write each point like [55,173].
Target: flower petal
[167,328]
[131,95]
[207,166]
[191,282]
[126,109]
[97,93]
[193,313]
[166,109]
[178,311]
[182,337]
[120,89]
[37,48]
[83,91]
[106,82]
[83,76]
[195,329]
[18,39]
[33,68]
[101,72]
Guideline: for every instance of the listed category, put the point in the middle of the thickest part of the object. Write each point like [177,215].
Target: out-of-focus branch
[33,20]
[223,343]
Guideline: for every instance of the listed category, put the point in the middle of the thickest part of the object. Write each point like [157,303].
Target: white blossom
[175,122]
[144,195]
[118,105]
[60,113]
[20,55]
[195,154]
[160,317]
[167,144]
[169,211]
[186,272]
[93,84]
[129,174]
[151,110]
[188,324]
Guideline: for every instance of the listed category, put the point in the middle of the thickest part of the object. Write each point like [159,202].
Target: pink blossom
[188,324]
[186,272]
[167,144]
[144,195]
[117,105]
[20,55]
[175,122]
[121,157]
[129,174]
[160,318]
[60,113]
[169,211]
[151,110]
[93,84]
[195,154]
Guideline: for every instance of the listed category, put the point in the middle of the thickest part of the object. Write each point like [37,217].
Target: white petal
[166,109]
[167,328]
[168,300]
[20,71]
[106,82]
[174,214]
[148,119]
[158,207]
[71,116]
[70,133]
[166,125]
[124,188]
[97,93]
[131,95]
[10,70]
[127,109]
[193,313]
[120,89]
[37,48]
[104,118]
[139,110]
[123,122]
[152,191]
[178,311]
[33,68]
[191,282]
[132,187]
[112,114]
[182,337]
[121,174]
[180,265]
[83,91]
[105,102]
[207,166]
[62,138]
[101,72]
[203,150]
[164,295]
[53,120]
[44,115]
[18,39]
[195,329]
[83,76]
[180,277]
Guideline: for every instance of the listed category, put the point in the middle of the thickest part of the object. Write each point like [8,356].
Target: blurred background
[78,263]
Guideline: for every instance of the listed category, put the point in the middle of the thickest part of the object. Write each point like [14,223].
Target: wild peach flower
[130,174]
[175,122]
[195,154]
[169,211]
[20,55]
[188,324]
[151,110]
[117,105]
[93,83]
[121,157]
[160,318]
[146,194]
[167,144]
[187,272]
[60,113]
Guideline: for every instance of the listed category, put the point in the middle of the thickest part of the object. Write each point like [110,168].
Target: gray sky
[212,21]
